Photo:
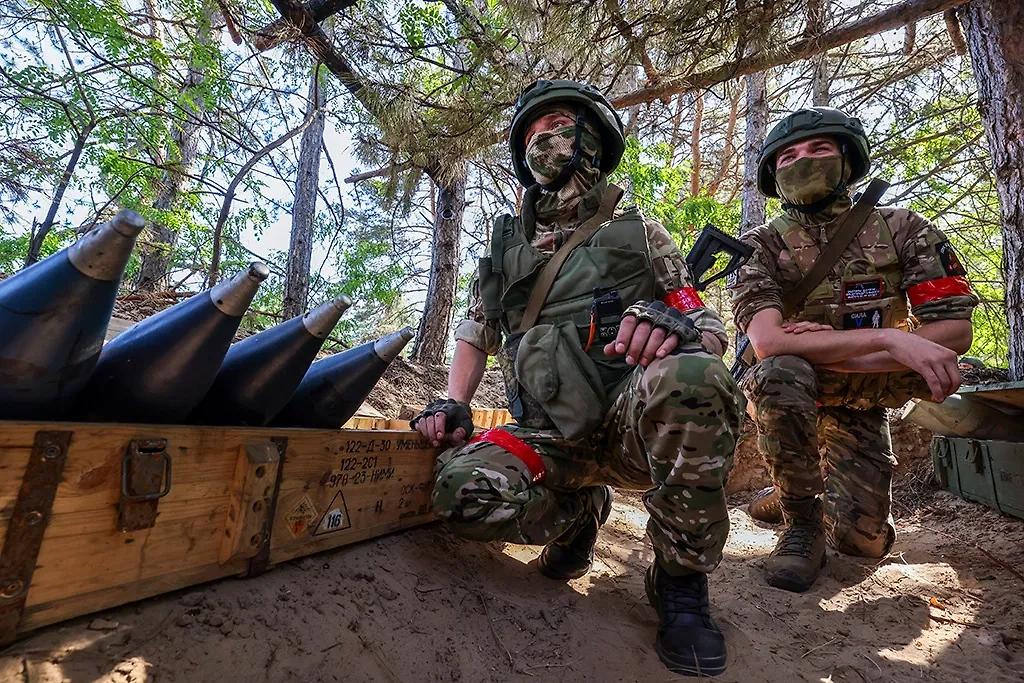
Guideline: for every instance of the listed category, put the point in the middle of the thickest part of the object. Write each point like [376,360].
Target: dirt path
[424,606]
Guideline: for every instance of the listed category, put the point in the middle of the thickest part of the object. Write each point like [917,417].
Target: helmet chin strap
[826,201]
[575,162]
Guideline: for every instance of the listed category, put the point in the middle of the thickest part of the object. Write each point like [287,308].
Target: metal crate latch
[145,479]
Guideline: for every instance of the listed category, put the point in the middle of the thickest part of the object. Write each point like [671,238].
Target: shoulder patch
[950,261]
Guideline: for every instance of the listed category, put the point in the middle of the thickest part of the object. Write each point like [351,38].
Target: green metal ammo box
[985,471]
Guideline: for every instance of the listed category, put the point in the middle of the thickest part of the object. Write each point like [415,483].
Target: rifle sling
[548,274]
[851,226]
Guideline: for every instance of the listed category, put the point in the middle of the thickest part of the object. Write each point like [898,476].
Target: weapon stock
[702,256]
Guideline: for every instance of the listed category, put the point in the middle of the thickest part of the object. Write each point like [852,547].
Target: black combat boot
[798,557]
[571,555]
[689,641]
[766,506]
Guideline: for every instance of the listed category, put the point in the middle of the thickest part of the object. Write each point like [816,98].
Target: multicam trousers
[671,433]
[798,408]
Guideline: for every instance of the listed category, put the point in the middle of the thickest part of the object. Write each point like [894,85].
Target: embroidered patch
[950,261]
[862,290]
[862,320]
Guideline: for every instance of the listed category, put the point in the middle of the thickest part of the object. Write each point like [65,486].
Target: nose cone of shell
[322,319]
[390,345]
[233,296]
[103,252]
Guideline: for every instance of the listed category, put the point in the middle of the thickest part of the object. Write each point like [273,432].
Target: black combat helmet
[589,105]
[808,123]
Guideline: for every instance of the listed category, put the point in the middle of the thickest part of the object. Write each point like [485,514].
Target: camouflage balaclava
[547,153]
[811,179]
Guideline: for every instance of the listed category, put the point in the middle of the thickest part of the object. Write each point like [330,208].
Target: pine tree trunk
[307,180]
[753,203]
[994,29]
[179,161]
[435,325]
[817,13]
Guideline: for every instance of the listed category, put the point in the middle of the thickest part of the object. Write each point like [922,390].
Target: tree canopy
[192,111]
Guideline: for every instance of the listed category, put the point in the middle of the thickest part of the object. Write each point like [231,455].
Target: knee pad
[472,494]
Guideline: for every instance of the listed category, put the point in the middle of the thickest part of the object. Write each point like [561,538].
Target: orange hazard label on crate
[300,516]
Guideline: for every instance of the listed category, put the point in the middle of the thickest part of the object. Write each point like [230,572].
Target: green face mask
[810,179]
[551,150]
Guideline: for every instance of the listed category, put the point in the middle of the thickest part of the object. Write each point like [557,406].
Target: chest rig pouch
[551,381]
[863,290]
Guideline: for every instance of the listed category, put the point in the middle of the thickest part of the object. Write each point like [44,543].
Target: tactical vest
[867,293]
[616,257]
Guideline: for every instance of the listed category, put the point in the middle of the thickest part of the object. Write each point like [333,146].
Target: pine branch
[801,48]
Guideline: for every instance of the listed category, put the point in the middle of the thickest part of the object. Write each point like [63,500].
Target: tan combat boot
[766,506]
[797,560]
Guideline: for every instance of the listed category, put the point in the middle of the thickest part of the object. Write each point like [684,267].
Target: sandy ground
[424,606]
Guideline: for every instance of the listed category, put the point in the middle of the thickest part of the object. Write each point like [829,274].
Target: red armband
[933,290]
[517,447]
[685,299]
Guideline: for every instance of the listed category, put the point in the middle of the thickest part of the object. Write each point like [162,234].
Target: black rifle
[701,258]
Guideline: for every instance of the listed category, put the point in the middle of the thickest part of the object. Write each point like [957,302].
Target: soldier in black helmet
[613,373]
[840,340]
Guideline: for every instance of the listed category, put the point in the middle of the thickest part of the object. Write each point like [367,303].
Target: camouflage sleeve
[755,286]
[933,277]
[671,273]
[474,330]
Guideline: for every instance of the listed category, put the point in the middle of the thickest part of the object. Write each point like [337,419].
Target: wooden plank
[483,418]
[350,486]
[359,484]
[249,507]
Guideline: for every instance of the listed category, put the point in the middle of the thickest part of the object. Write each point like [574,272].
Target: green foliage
[14,247]
[658,186]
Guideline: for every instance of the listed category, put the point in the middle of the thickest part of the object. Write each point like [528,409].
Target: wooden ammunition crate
[94,515]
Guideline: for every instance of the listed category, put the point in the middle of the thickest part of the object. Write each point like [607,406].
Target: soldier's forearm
[819,348]
[468,365]
[955,335]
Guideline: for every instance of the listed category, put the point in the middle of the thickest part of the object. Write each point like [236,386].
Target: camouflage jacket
[667,262]
[923,254]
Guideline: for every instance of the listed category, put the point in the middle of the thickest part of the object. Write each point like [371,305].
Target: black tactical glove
[667,318]
[456,414]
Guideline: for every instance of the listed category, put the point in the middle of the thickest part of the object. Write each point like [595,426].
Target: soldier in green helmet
[613,374]
[885,323]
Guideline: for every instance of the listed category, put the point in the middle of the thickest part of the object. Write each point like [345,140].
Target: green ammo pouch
[552,366]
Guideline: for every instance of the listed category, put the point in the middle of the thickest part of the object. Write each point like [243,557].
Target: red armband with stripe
[934,290]
[684,299]
[517,447]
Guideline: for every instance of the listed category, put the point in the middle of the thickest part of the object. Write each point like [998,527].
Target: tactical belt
[517,447]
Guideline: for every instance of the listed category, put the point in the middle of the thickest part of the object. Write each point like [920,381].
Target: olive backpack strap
[548,274]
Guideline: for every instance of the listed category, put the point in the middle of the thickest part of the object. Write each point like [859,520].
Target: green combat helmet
[590,105]
[813,122]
